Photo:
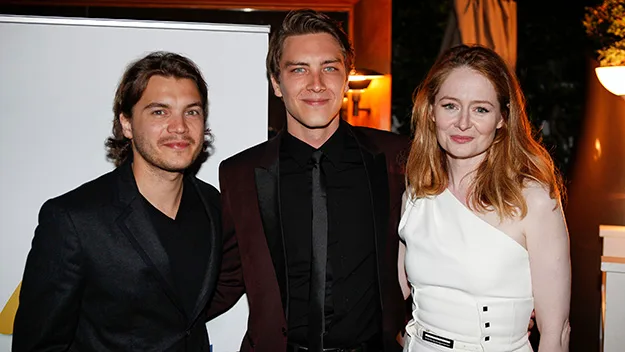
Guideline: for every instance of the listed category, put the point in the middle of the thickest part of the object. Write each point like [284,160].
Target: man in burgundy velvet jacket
[266,201]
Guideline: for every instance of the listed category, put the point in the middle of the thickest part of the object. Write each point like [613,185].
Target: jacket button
[188,332]
[283,331]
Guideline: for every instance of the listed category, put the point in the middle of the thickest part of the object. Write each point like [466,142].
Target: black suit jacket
[254,260]
[98,279]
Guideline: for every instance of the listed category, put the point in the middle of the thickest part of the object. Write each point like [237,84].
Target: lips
[177,144]
[180,145]
[461,139]
[315,102]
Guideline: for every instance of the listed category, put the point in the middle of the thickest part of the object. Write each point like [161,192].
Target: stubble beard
[157,160]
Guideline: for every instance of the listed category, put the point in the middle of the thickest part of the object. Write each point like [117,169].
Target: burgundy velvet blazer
[253,257]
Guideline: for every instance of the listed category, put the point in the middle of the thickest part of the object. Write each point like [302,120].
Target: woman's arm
[548,246]
[401,269]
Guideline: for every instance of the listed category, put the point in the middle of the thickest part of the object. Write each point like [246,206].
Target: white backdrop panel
[57,82]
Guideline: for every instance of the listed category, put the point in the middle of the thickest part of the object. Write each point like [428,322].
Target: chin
[464,155]
[321,122]
[179,167]
[175,165]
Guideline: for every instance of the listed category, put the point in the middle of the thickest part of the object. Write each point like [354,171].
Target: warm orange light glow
[363,74]
[357,78]
[368,99]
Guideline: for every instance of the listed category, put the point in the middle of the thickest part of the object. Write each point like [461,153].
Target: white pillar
[613,300]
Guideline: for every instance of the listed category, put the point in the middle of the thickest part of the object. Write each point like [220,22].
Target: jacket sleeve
[50,296]
[230,285]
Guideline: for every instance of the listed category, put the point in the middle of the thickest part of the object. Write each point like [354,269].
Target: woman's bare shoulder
[538,198]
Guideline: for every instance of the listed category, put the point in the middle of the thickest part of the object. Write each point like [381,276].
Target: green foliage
[613,56]
[605,26]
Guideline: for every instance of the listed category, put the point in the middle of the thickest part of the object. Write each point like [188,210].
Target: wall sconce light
[612,78]
[359,80]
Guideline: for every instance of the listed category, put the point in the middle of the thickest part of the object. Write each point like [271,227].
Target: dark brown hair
[131,88]
[300,22]
[513,159]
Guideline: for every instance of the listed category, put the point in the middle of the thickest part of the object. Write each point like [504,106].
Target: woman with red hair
[485,237]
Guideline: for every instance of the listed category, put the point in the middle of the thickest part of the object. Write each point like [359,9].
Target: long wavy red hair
[515,157]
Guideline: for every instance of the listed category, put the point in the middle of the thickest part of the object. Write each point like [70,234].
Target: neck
[315,137]
[461,173]
[163,189]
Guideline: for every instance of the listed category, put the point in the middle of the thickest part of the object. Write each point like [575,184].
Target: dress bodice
[470,282]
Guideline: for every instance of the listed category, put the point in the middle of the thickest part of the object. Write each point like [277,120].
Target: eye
[298,70]
[330,69]
[449,106]
[482,110]
[159,112]
[194,113]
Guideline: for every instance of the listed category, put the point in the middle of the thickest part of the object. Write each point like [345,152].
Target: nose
[464,120]
[177,124]
[316,83]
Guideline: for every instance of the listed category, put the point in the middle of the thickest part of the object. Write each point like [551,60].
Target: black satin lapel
[378,182]
[268,189]
[214,259]
[136,225]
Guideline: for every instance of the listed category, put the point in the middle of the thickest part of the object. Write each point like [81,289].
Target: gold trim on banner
[7,316]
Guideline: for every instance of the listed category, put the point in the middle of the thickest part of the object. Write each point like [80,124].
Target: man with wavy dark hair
[129,91]
[310,216]
[128,261]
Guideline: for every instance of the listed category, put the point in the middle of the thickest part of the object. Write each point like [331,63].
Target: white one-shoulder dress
[470,282]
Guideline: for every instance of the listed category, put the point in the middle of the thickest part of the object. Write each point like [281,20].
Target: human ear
[276,87]
[126,126]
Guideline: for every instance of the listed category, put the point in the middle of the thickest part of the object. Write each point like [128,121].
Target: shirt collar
[333,148]
[300,151]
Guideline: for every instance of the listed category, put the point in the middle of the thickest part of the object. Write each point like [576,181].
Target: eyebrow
[298,63]
[472,102]
[167,106]
[333,61]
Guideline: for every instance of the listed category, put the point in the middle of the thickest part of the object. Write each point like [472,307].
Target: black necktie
[316,319]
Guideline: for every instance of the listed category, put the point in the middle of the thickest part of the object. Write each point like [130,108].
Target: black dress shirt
[186,244]
[352,304]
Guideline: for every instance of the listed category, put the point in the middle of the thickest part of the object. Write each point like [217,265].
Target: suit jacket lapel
[214,259]
[377,173]
[135,223]
[378,183]
[267,179]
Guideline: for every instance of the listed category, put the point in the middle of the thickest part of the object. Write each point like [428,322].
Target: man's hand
[532,323]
